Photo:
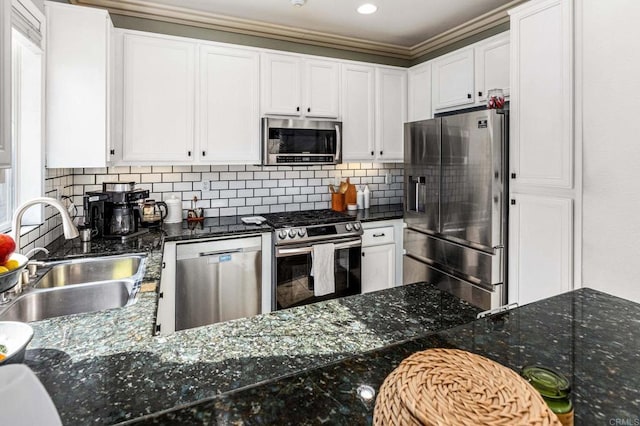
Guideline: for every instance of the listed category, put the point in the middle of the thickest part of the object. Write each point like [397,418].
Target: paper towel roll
[174,210]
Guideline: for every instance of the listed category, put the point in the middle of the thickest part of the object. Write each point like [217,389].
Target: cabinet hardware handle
[513,202]
[308,109]
[380,152]
[479,93]
[112,151]
[363,254]
[513,175]
[468,95]
[298,109]
[372,153]
[378,235]
[204,153]
[189,153]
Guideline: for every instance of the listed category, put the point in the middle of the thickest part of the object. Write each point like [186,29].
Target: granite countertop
[590,337]
[106,367]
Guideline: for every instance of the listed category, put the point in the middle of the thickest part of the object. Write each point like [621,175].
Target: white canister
[174,210]
[360,198]
[367,197]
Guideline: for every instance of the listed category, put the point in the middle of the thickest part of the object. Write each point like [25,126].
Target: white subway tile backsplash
[237,184]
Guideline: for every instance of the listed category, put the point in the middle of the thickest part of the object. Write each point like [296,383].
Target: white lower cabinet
[540,247]
[378,267]
[381,255]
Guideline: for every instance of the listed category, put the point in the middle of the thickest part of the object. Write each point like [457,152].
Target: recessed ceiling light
[298,2]
[367,8]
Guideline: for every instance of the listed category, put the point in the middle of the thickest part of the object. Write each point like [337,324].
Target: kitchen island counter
[106,367]
[590,337]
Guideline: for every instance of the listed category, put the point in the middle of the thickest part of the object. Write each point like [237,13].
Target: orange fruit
[11,264]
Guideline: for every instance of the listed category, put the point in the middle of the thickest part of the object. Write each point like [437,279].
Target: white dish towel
[322,269]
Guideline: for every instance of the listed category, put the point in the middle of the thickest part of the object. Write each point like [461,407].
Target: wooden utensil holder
[337,202]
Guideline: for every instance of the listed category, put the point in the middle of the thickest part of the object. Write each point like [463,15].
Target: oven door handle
[283,252]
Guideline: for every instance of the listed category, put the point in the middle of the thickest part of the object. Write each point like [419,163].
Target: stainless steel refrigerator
[455,205]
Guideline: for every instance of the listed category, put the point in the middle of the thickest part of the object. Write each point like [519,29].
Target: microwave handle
[338,144]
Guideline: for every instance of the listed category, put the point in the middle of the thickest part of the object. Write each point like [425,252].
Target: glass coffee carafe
[153,212]
[122,220]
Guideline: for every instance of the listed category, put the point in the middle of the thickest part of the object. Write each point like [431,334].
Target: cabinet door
[229,117]
[281,88]
[78,98]
[541,95]
[452,79]
[391,113]
[540,247]
[358,111]
[419,92]
[322,85]
[159,99]
[492,66]
[378,267]
[5,85]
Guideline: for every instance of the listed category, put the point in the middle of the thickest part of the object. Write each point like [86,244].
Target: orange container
[351,196]
[337,202]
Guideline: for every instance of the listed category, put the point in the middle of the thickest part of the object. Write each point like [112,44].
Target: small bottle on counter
[360,198]
[555,390]
[367,197]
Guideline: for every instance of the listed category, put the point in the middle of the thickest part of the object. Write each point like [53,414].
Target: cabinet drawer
[377,236]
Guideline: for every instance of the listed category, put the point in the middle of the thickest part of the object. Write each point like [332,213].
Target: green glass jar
[555,390]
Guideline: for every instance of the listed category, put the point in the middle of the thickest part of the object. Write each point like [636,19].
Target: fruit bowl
[9,279]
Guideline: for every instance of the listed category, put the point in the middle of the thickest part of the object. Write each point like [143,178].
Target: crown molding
[181,15]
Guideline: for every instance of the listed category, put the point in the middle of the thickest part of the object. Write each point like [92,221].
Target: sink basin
[78,286]
[90,270]
[39,305]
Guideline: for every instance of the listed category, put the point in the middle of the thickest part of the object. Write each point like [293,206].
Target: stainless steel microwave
[288,141]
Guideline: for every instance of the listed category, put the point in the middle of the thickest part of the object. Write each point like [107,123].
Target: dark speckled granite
[383,212]
[591,337]
[106,367]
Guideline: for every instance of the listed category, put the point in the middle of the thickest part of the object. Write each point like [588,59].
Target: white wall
[611,145]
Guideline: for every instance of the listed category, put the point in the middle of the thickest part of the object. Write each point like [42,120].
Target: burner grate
[306,218]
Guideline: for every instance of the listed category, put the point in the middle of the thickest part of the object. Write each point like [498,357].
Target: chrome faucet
[69,229]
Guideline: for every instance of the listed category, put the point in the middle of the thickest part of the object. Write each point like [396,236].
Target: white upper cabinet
[281,84]
[78,86]
[358,112]
[229,116]
[492,66]
[159,99]
[542,95]
[419,92]
[453,79]
[322,89]
[391,113]
[296,86]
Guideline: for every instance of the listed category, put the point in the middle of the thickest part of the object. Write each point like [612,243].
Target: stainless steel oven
[294,237]
[292,142]
[294,284]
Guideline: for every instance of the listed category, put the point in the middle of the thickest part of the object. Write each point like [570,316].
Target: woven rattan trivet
[455,387]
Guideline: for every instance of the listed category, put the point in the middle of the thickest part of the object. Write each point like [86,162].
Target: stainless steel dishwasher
[217,281]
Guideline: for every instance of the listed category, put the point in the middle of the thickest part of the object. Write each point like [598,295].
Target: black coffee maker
[114,212]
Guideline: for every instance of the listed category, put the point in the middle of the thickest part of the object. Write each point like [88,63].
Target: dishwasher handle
[219,252]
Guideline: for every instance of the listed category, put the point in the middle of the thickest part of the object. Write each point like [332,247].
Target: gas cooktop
[306,218]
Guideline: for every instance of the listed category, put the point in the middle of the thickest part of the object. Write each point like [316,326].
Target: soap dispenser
[367,197]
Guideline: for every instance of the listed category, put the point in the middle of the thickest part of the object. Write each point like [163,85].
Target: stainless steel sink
[91,270]
[78,286]
[39,305]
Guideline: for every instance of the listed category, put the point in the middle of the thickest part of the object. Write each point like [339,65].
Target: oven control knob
[356,226]
[292,233]
[348,227]
[282,235]
[301,232]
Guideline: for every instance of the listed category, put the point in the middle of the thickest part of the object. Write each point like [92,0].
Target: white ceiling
[397,22]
